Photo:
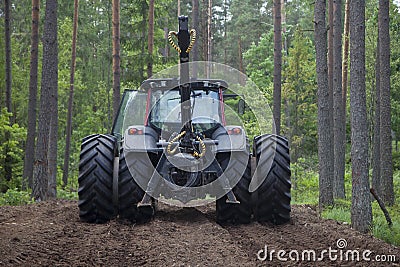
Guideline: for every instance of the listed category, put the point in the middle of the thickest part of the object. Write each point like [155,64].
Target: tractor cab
[157,104]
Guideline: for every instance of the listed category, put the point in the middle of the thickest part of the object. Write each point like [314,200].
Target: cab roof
[171,83]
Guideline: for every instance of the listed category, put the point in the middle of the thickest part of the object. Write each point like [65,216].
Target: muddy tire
[272,198]
[228,213]
[96,178]
[130,193]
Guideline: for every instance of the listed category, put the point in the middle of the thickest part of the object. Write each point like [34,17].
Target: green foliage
[67,194]
[299,95]
[305,191]
[260,62]
[249,20]
[14,197]
[305,186]
[341,212]
[396,160]
[395,68]
[12,148]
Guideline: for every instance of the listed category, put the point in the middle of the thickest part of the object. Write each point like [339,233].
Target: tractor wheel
[228,213]
[96,178]
[130,193]
[272,198]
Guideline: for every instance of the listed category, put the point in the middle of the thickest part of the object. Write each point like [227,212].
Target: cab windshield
[166,109]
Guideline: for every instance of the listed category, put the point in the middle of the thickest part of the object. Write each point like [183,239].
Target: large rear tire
[96,178]
[130,193]
[272,198]
[228,213]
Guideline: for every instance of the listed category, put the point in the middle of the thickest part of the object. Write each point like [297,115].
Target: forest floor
[50,234]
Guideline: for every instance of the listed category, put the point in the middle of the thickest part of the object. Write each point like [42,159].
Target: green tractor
[171,142]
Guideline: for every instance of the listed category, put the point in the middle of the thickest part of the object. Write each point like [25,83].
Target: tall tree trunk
[283,23]
[241,67]
[53,146]
[330,48]
[71,95]
[33,83]
[143,38]
[209,41]
[7,30]
[116,57]
[47,92]
[376,156]
[204,23]
[150,39]
[277,65]
[339,129]
[195,26]
[345,62]
[361,213]
[385,116]
[325,134]
[225,30]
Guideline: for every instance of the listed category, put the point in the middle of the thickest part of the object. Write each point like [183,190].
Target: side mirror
[241,106]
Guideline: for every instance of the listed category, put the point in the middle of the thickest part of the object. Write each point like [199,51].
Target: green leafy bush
[67,194]
[14,197]
[396,160]
[305,186]
[11,147]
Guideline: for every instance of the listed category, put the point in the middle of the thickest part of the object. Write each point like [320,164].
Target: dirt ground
[50,234]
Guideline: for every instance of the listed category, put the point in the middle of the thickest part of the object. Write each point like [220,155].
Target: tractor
[171,142]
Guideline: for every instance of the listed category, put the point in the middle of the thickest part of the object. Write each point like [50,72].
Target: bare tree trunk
[225,29]
[195,26]
[376,154]
[330,50]
[385,116]
[204,23]
[110,113]
[209,43]
[345,63]
[33,83]
[48,90]
[150,39]
[8,57]
[283,23]
[277,65]
[325,136]
[52,153]
[143,43]
[71,95]
[116,57]
[361,213]
[339,128]
[241,68]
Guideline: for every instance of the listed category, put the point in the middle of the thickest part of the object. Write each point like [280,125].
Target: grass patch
[380,229]
[306,191]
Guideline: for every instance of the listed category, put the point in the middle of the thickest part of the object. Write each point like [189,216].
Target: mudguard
[228,140]
[139,138]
